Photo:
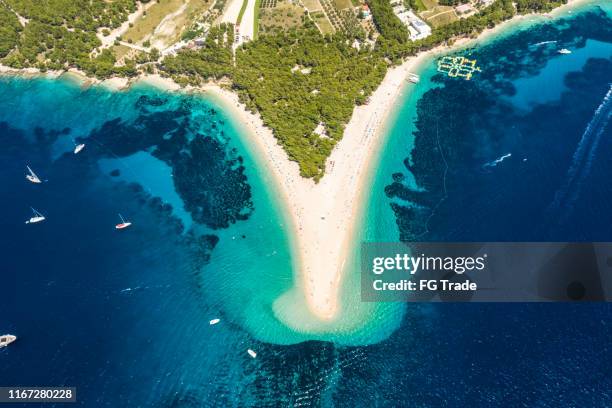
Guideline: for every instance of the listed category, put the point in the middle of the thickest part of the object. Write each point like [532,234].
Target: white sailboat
[214,321]
[79,147]
[123,224]
[7,339]
[32,176]
[252,353]
[36,217]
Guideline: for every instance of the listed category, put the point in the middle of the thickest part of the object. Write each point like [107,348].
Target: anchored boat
[32,176]
[564,51]
[36,217]
[7,339]
[123,224]
[414,78]
[78,148]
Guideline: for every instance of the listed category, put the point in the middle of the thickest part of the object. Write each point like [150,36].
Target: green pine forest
[296,79]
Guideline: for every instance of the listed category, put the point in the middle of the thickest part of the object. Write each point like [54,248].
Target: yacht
[252,353]
[78,148]
[123,224]
[7,339]
[36,217]
[32,176]
[214,321]
[564,51]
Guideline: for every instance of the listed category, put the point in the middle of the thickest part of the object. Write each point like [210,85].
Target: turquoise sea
[124,315]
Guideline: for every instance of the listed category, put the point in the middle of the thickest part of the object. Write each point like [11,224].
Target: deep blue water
[123,316]
[520,152]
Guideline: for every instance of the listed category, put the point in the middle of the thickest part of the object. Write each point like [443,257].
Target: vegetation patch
[284,16]
[242,10]
[323,24]
[212,61]
[256,18]
[10,30]
[61,34]
[440,16]
[267,82]
[145,25]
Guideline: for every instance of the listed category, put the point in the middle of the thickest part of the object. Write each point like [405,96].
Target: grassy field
[169,18]
[312,5]
[257,17]
[324,25]
[242,10]
[146,24]
[437,15]
[429,4]
[343,4]
[316,13]
[121,51]
[420,5]
[282,17]
[442,17]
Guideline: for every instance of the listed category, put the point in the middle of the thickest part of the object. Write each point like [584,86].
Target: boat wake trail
[495,162]
[583,159]
[544,43]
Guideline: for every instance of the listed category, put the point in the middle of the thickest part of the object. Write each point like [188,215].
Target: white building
[417,28]
[418,25]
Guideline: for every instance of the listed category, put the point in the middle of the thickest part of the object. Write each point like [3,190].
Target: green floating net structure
[458,67]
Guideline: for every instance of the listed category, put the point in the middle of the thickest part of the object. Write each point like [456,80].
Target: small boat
[414,78]
[214,321]
[564,51]
[123,224]
[36,217]
[32,176]
[252,353]
[7,339]
[78,148]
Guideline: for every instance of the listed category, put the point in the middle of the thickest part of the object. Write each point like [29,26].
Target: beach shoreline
[323,216]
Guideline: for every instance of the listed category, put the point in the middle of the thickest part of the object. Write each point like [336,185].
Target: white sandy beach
[324,215]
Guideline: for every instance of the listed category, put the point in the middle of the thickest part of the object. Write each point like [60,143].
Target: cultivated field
[282,16]
[437,15]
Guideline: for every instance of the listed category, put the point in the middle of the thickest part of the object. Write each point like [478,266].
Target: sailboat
[7,339]
[32,176]
[36,217]
[123,224]
[214,321]
[78,148]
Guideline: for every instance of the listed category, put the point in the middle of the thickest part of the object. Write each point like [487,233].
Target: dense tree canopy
[60,34]
[212,61]
[301,80]
[387,23]
[9,30]
[304,85]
